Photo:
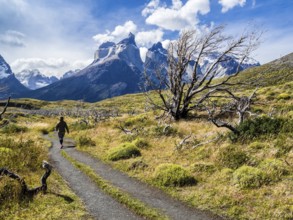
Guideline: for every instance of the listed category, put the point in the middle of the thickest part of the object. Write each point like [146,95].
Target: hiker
[61,127]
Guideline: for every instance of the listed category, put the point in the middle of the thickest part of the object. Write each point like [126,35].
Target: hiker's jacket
[61,126]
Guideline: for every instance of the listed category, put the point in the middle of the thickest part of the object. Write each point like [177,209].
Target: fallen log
[24,188]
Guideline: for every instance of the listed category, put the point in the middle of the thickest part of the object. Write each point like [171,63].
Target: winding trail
[102,206]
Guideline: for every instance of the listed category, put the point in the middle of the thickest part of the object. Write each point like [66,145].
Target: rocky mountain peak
[5,69]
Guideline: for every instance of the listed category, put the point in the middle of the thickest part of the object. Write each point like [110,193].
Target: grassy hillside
[246,178]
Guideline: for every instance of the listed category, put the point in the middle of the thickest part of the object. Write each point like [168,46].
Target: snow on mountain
[33,79]
[69,73]
[9,85]
[126,50]
[5,70]
[115,71]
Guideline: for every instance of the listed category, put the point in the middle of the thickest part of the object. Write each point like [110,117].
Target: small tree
[180,93]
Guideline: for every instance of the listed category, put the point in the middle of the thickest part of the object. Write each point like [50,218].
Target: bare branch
[4,110]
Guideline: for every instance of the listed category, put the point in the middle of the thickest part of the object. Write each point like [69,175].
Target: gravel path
[100,205]
[94,198]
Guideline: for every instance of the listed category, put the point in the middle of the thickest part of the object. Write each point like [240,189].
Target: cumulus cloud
[119,32]
[229,4]
[49,67]
[12,38]
[178,16]
[150,8]
[148,38]
[143,51]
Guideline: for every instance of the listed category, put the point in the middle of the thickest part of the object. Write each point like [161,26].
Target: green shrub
[284,96]
[161,130]
[225,175]
[257,145]
[124,151]
[138,120]
[173,175]
[44,131]
[231,157]
[253,128]
[137,165]
[85,141]
[141,143]
[204,167]
[274,169]
[283,144]
[249,177]
[13,128]
[79,126]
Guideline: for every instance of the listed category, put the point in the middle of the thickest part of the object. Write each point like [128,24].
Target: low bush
[284,96]
[160,130]
[137,165]
[254,128]
[83,141]
[141,143]
[124,151]
[78,126]
[249,177]
[257,145]
[231,157]
[204,167]
[44,131]
[139,120]
[283,145]
[173,175]
[13,128]
[274,169]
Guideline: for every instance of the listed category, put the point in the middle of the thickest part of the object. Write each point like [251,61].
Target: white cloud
[49,67]
[148,38]
[12,38]
[178,16]
[166,43]
[143,51]
[123,30]
[101,38]
[150,8]
[229,4]
[120,32]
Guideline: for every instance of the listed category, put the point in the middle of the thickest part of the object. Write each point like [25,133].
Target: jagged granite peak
[156,57]
[125,50]
[33,79]
[105,50]
[9,85]
[5,70]
[129,40]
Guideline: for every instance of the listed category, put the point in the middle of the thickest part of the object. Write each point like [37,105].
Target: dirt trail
[96,204]
[100,205]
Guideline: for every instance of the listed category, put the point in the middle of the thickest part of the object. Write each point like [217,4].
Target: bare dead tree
[24,188]
[180,93]
[4,110]
[238,105]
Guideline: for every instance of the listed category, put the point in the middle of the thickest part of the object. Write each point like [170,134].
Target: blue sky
[58,35]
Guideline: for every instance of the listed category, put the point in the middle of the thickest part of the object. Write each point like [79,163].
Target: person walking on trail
[61,127]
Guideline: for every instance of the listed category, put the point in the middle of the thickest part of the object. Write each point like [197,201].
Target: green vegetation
[22,153]
[173,175]
[124,151]
[248,177]
[85,141]
[133,204]
[245,176]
